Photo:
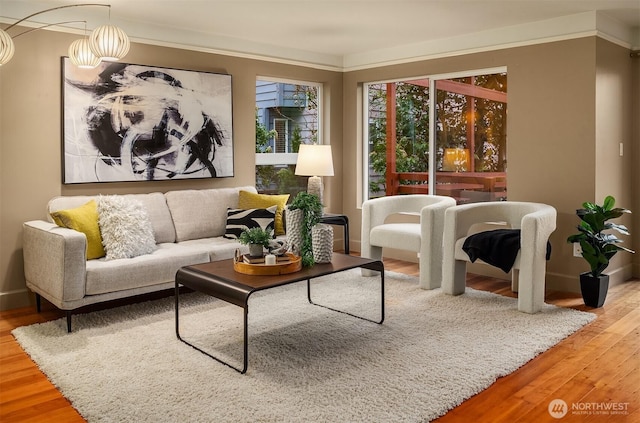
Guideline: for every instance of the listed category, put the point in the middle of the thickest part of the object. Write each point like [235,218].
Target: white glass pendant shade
[6,47]
[108,42]
[81,55]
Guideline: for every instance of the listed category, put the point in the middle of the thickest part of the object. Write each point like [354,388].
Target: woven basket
[322,240]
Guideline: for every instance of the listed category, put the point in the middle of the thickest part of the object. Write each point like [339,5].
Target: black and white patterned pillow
[239,219]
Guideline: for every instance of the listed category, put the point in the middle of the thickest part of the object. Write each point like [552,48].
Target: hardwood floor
[597,367]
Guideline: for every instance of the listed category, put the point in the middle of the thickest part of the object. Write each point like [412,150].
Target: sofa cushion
[252,200]
[239,220]
[202,213]
[125,227]
[104,276]
[217,248]
[159,215]
[83,219]
[155,203]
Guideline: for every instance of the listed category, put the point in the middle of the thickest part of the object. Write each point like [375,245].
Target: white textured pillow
[125,227]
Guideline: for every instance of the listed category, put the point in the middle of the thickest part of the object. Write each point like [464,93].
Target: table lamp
[314,160]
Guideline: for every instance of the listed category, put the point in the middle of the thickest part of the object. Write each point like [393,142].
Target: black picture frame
[125,122]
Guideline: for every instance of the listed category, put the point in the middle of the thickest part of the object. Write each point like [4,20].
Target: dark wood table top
[220,280]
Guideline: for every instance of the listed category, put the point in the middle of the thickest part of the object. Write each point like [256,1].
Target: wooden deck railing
[463,186]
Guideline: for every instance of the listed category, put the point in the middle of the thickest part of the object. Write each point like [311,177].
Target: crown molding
[558,29]
[551,30]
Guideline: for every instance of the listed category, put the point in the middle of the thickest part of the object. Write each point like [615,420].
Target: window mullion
[432,135]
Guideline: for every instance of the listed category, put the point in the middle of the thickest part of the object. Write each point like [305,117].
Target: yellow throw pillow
[83,219]
[250,200]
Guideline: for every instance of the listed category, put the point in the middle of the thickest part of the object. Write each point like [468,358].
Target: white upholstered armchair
[536,222]
[424,237]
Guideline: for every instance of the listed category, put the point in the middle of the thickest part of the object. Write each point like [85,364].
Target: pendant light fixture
[80,53]
[108,42]
[6,47]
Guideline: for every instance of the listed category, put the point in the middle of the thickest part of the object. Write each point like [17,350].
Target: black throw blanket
[498,247]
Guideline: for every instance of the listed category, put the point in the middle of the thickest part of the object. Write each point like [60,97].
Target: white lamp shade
[314,160]
[108,42]
[81,55]
[6,47]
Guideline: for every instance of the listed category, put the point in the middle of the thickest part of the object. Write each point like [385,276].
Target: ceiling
[347,34]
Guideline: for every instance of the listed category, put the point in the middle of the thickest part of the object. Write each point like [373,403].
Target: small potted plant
[257,239]
[598,247]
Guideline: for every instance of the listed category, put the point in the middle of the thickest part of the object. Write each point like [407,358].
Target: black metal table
[340,220]
[218,279]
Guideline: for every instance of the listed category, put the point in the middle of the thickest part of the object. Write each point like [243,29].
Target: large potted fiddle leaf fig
[598,247]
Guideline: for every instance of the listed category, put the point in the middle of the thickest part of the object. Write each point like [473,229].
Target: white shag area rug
[306,363]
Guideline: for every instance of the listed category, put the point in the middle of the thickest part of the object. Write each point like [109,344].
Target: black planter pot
[594,290]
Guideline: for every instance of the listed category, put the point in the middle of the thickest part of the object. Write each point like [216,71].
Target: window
[467,161]
[281,127]
[286,116]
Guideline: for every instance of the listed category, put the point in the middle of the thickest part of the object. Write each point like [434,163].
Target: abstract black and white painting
[125,122]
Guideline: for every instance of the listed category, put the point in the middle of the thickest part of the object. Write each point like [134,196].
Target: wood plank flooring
[596,367]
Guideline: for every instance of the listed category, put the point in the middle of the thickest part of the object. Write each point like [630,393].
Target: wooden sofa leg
[68,321]
[38,303]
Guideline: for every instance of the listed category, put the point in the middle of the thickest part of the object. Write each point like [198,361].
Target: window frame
[364,171]
[274,158]
[290,158]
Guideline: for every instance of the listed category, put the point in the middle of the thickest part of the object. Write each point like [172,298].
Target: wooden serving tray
[292,266]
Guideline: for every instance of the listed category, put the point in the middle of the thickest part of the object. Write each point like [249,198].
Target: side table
[340,220]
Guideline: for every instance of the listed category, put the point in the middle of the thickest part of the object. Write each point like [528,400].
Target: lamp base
[314,186]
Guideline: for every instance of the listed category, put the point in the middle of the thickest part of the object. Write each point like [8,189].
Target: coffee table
[219,280]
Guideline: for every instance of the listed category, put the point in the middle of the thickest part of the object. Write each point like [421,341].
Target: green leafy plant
[263,136]
[312,212]
[296,139]
[286,179]
[256,236]
[598,247]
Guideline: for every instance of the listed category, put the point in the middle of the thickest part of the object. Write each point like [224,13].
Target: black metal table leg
[377,266]
[245,359]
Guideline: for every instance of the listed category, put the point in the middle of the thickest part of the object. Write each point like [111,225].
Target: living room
[554,82]
[573,100]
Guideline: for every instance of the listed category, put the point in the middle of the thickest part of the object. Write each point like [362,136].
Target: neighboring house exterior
[284,108]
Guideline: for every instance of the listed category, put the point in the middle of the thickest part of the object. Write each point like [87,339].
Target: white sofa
[188,226]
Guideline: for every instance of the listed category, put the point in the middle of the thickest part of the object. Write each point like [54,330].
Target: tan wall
[554,138]
[614,125]
[634,150]
[30,135]
[554,153]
